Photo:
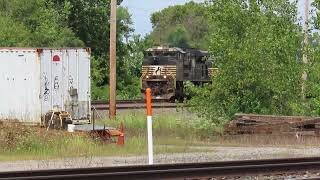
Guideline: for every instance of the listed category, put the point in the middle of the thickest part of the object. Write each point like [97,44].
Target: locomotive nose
[156,92]
[156,89]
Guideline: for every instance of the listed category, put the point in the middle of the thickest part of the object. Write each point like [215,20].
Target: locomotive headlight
[165,76]
[147,77]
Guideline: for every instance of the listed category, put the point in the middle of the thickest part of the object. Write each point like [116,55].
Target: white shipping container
[35,81]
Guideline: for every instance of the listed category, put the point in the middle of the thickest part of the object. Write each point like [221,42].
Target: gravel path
[213,154]
[277,176]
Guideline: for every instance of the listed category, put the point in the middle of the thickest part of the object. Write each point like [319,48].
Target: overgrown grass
[169,124]
[172,134]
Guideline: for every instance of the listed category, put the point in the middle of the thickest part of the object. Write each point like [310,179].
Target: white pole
[150,139]
[149,125]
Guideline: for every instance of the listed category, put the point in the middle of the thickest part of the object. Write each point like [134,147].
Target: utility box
[34,81]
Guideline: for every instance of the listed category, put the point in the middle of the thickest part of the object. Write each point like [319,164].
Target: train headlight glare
[147,77]
[165,77]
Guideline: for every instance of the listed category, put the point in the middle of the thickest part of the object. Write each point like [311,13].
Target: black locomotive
[165,70]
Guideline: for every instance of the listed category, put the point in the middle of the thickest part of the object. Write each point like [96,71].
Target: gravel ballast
[213,154]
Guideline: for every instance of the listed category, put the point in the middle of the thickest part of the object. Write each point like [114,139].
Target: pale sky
[141,11]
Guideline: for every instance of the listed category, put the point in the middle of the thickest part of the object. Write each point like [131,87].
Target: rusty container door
[19,89]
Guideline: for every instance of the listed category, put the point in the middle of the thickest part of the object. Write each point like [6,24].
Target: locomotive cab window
[154,53]
[149,54]
[157,53]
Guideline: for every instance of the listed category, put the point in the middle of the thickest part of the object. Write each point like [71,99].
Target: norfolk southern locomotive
[165,70]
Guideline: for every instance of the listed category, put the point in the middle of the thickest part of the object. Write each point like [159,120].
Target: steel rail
[132,104]
[174,171]
[119,101]
[132,101]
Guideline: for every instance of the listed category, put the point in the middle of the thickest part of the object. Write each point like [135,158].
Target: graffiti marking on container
[56,85]
[46,92]
[70,82]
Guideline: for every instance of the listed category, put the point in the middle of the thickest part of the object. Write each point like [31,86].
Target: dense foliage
[74,23]
[34,23]
[313,66]
[255,45]
[181,25]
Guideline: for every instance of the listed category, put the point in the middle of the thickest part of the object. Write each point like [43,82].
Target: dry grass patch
[18,142]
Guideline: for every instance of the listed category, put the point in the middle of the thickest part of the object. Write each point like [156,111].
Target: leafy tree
[255,46]
[313,80]
[179,38]
[42,21]
[185,25]
[132,63]
[313,71]
[71,23]
[89,20]
[13,33]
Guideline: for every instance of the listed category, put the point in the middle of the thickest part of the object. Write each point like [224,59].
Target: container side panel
[73,69]
[71,102]
[46,82]
[57,79]
[84,84]
[19,78]
[65,81]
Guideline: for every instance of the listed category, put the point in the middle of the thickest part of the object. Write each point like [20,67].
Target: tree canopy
[181,25]
[71,23]
[38,22]
[255,45]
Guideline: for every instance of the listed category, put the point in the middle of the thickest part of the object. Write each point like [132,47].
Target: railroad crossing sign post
[149,125]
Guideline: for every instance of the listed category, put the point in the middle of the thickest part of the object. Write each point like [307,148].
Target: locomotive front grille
[159,70]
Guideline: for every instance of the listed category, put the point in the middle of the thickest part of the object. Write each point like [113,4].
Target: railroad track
[174,171]
[131,104]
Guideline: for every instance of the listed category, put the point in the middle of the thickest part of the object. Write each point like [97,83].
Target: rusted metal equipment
[262,124]
[101,133]
[57,119]
[62,120]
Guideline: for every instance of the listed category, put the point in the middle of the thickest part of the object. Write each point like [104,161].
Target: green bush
[124,92]
[256,51]
[99,93]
